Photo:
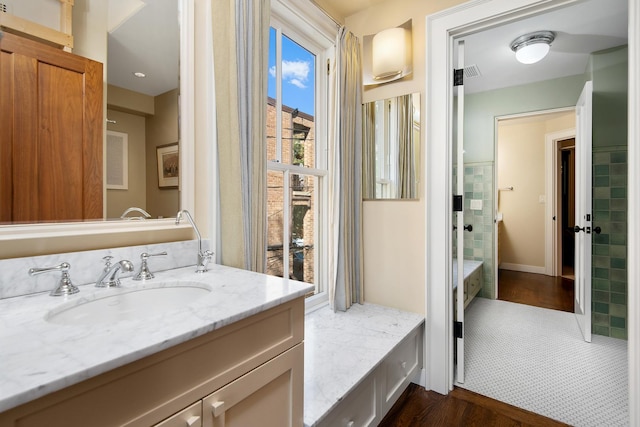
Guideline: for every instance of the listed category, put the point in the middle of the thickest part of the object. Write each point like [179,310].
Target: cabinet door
[268,396]
[400,366]
[189,417]
[359,408]
[51,139]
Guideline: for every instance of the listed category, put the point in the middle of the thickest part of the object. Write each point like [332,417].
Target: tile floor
[536,359]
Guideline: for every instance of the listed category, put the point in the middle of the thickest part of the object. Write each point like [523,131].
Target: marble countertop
[38,357]
[342,348]
[469,266]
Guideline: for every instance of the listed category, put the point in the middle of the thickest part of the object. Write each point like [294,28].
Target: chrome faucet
[203,256]
[145,273]
[110,276]
[64,287]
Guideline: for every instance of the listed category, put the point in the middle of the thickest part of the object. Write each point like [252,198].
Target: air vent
[3,7]
[471,71]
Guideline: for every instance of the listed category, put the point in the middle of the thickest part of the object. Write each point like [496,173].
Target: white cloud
[297,83]
[293,72]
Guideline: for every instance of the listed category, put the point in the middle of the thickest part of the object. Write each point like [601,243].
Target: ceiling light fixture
[139,74]
[531,48]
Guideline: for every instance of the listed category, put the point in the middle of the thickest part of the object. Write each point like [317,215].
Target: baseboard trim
[523,268]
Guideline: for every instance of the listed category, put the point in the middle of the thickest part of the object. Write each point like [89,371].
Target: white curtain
[241,48]
[368,151]
[346,287]
[406,155]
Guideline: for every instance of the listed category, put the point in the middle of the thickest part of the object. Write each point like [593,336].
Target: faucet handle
[64,287]
[144,272]
[107,262]
[203,261]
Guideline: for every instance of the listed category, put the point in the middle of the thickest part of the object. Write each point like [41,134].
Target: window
[296,153]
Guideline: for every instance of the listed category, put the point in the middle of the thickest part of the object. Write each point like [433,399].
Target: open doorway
[566,202]
[535,197]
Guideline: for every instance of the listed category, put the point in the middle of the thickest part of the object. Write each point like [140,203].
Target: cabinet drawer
[466,290]
[358,409]
[475,282]
[189,417]
[400,366]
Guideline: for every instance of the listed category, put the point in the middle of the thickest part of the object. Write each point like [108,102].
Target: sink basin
[128,304]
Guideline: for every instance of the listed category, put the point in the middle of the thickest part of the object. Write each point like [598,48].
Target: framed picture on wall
[117,160]
[168,165]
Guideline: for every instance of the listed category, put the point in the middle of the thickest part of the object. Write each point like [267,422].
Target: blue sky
[298,74]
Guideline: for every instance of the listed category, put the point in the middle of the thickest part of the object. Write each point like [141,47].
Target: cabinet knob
[192,421]
[217,408]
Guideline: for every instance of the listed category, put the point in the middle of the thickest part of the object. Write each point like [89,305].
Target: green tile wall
[479,243]
[609,260]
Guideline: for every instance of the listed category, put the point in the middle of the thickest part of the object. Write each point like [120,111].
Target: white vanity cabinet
[472,281]
[246,373]
[188,417]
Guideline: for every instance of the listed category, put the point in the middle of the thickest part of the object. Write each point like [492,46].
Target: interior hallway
[538,290]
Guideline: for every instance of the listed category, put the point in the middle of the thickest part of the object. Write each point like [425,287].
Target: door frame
[552,234]
[440,29]
[550,165]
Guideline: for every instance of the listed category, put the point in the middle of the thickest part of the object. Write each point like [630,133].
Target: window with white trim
[296,152]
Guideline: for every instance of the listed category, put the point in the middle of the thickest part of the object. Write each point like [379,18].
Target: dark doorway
[567,205]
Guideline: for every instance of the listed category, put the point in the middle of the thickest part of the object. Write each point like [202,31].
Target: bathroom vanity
[472,280]
[232,357]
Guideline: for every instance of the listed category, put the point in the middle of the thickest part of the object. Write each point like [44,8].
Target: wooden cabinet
[251,368]
[51,134]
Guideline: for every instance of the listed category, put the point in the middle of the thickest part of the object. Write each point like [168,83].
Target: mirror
[390,148]
[143,114]
[142,106]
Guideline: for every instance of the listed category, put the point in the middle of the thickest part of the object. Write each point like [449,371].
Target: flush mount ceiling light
[531,48]
[139,74]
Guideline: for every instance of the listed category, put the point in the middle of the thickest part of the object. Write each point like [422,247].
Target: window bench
[357,363]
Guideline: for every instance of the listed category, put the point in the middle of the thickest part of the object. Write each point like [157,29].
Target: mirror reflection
[140,140]
[390,147]
[142,106]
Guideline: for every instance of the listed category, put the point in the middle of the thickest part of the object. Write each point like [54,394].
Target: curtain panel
[346,178]
[369,151]
[241,48]
[406,155]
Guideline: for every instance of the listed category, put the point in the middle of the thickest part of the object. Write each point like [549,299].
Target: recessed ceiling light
[139,74]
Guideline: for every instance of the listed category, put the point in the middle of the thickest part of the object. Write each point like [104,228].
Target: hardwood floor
[419,407]
[536,289]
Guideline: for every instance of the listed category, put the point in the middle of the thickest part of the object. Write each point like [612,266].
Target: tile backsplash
[86,266]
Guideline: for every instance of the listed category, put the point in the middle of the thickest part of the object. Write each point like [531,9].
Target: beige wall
[394,231]
[119,200]
[150,122]
[521,165]
[162,129]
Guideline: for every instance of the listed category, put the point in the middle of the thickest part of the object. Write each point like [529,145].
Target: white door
[459,222]
[583,218]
